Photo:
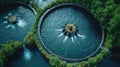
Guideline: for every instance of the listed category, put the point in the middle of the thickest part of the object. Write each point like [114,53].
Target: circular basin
[16,20]
[70,32]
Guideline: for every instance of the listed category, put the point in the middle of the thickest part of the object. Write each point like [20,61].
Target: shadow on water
[28,57]
[112,60]
[116,54]
[117,1]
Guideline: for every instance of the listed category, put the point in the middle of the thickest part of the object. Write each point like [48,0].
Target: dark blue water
[19,30]
[108,62]
[29,57]
[113,59]
[83,45]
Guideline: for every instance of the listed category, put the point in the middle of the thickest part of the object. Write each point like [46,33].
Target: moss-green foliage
[92,61]
[8,50]
[62,63]
[103,11]
[69,65]
[107,13]
[1,62]
[54,61]
[113,28]
[29,39]
[84,64]
[109,40]
[26,1]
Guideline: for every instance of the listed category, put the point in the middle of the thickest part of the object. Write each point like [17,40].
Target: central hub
[12,19]
[70,28]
